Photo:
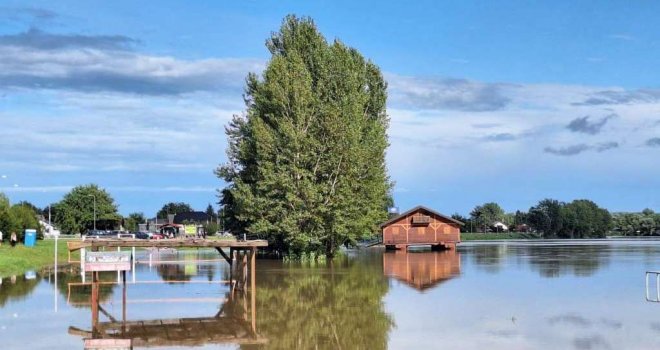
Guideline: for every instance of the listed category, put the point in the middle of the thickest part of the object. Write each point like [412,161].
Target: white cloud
[432,143]
[67,188]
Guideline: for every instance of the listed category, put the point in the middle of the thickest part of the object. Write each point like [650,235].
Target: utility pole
[94,197]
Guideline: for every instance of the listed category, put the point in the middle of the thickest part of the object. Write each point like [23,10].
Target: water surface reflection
[500,295]
[422,270]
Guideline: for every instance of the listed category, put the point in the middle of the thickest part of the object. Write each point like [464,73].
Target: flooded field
[528,295]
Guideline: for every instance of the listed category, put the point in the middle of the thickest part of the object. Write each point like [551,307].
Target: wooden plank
[114,344]
[96,243]
[76,245]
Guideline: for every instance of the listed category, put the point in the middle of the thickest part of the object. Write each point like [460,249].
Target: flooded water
[502,295]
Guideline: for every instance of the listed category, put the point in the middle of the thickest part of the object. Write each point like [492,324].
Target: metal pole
[55,267]
[94,212]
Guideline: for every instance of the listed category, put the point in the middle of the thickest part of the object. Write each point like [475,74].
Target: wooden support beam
[224,255]
[107,314]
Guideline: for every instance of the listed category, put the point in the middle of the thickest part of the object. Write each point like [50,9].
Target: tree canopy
[74,214]
[306,162]
[17,218]
[132,221]
[173,208]
[644,223]
[580,218]
[487,214]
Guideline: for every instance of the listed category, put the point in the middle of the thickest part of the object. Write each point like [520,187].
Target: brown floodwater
[500,295]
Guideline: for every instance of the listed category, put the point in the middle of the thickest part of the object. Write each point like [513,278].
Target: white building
[500,226]
[49,230]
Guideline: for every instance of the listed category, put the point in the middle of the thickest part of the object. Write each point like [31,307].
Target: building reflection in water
[422,270]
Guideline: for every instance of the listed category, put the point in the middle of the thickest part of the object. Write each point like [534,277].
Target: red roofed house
[421,226]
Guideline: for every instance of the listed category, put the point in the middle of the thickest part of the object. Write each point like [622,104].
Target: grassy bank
[17,260]
[473,236]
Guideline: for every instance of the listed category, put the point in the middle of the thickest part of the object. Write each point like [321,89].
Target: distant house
[522,228]
[193,222]
[499,226]
[48,229]
[152,225]
[188,223]
[421,226]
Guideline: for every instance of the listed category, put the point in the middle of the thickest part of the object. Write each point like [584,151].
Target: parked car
[99,233]
[157,236]
[141,235]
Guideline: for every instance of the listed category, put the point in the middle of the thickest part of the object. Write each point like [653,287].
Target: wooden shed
[421,226]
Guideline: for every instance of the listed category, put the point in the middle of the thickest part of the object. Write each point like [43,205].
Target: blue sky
[506,101]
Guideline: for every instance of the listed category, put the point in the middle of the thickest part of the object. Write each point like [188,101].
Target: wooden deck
[187,332]
[95,243]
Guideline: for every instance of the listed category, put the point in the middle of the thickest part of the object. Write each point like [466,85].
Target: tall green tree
[74,214]
[33,207]
[25,217]
[306,162]
[211,213]
[132,221]
[463,219]
[7,219]
[17,218]
[546,217]
[584,219]
[487,214]
[173,208]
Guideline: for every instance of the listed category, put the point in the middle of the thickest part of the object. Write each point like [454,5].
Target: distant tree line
[644,223]
[550,218]
[82,209]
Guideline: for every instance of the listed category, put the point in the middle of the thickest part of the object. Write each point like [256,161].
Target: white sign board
[107,261]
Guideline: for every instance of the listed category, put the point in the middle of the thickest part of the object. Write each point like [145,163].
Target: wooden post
[123,301]
[95,301]
[245,269]
[253,288]
[232,280]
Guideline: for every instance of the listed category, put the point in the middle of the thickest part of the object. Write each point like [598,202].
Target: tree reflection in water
[323,305]
[549,260]
[16,288]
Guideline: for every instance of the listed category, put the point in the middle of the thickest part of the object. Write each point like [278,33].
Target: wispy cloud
[449,94]
[602,147]
[584,125]
[39,40]
[40,60]
[591,342]
[501,137]
[618,97]
[624,37]
[67,188]
[580,148]
[485,125]
[653,142]
[568,150]
[28,15]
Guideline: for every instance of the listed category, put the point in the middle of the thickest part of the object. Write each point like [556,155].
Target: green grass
[473,236]
[18,260]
